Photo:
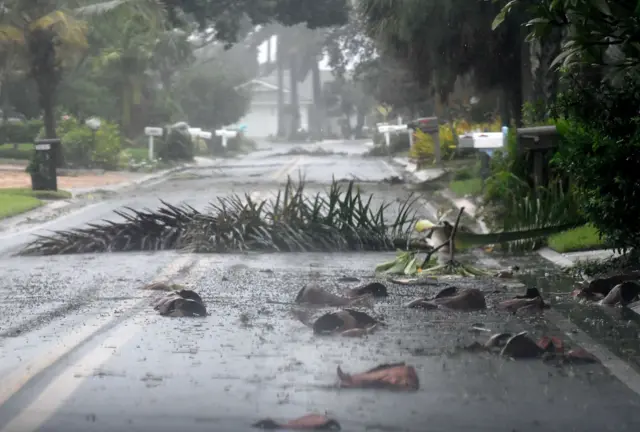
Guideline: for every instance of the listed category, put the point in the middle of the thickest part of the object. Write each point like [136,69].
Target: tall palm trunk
[280,59]
[317,122]
[46,96]
[294,102]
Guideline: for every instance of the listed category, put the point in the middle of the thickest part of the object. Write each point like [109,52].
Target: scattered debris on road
[315,295]
[340,220]
[520,346]
[531,301]
[397,376]
[469,299]
[307,422]
[620,290]
[184,303]
[346,322]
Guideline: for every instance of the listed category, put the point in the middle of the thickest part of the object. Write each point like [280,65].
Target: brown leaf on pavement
[397,376]
[307,422]
[183,303]
[375,289]
[343,320]
[521,346]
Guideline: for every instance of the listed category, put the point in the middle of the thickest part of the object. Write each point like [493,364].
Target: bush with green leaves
[84,148]
[23,132]
[601,154]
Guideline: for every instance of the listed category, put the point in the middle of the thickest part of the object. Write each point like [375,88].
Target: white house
[262,118]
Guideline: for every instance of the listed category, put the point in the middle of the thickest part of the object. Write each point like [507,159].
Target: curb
[618,367]
[54,206]
[139,181]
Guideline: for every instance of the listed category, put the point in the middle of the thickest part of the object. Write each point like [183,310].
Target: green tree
[48,39]
[209,99]
[442,40]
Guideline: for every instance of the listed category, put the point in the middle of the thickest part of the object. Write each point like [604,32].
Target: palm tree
[133,40]
[47,39]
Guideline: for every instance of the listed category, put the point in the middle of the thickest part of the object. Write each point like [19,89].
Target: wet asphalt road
[82,350]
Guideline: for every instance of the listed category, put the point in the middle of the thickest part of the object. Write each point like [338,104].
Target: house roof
[305,88]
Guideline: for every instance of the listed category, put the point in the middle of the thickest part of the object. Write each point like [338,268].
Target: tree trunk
[318,100]
[360,117]
[47,103]
[280,67]
[294,102]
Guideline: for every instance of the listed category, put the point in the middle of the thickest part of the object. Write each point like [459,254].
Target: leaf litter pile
[341,219]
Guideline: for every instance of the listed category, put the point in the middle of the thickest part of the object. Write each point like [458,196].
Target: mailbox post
[44,176]
[152,132]
[226,134]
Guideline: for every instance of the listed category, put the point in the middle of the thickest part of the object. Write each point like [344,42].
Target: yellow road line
[288,168]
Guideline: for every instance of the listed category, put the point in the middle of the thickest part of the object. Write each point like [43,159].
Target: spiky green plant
[525,208]
[340,219]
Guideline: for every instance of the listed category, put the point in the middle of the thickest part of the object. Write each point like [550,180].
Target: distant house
[262,118]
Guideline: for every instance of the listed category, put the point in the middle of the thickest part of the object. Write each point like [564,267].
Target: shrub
[423,147]
[175,145]
[84,150]
[108,146]
[601,154]
[241,144]
[77,146]
[25,132]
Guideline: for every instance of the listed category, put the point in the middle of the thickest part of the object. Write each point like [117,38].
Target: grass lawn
[138,154]
[462,188]
[14,201]
[577,239]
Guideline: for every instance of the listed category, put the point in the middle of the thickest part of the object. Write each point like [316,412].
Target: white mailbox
[151,132]
[482,140]
[226,134]
[206,135]
[386,129]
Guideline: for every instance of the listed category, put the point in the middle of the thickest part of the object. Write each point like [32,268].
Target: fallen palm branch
[339,220]
[406,262]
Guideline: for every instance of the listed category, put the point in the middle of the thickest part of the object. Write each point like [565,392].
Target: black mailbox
[425,124]
[43,172]
[540,142]
[537,138]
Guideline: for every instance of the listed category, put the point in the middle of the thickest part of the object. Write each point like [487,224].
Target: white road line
[52,222]
[62,387]
[14,381]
